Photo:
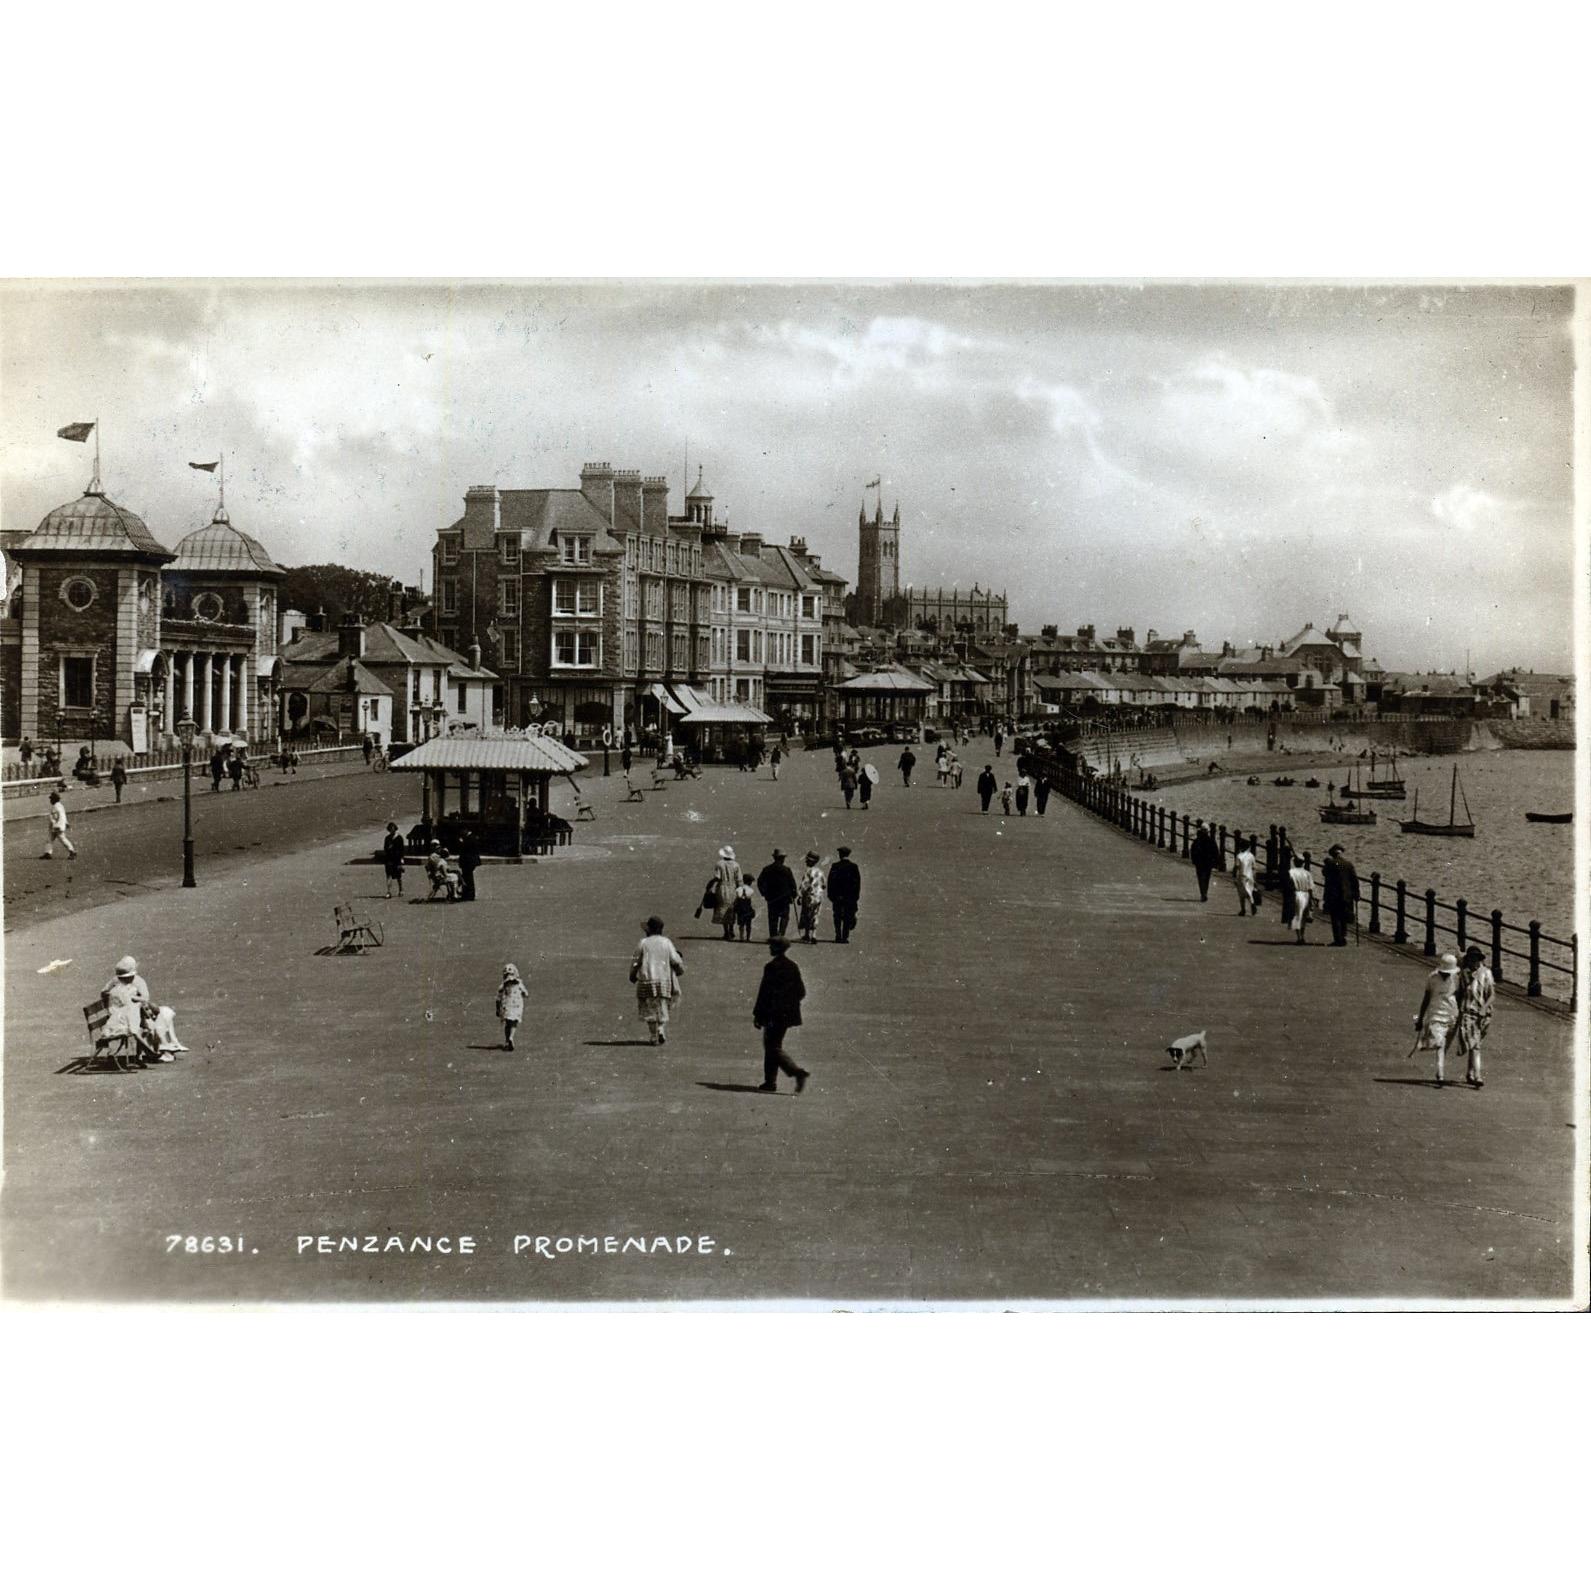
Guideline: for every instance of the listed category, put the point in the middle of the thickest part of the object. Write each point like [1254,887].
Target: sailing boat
[1374,789]
[1332,813]
[1392,785]
[1452,828]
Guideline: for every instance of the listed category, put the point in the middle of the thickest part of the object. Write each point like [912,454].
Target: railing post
[1375,903]
[1497,943]
[1461,906]
[1430,922]
[1574,977]
[1534,986]
[1270,853]
[1165,844]
[1187,823]
[1400,934]
[1222,833]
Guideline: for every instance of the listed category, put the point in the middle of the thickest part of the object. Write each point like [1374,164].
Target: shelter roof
[501,752]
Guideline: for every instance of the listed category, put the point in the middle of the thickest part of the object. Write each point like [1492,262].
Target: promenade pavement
[991,1114]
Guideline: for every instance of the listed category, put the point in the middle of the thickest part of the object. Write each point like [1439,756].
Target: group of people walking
[731,896]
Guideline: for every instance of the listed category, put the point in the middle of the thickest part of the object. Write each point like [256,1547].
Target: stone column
[201,664]
[240,716]
[187,685]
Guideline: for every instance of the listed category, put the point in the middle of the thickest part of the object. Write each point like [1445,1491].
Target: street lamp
[533,707]
[186,730]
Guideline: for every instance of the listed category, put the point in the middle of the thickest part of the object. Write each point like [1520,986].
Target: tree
[337,590]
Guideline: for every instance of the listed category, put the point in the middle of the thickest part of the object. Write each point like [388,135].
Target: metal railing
[1397,912]
[166,759]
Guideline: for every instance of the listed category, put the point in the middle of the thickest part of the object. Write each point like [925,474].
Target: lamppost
[60,731]
[186,730]
[533,708]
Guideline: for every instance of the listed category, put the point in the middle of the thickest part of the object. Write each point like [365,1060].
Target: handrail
[1156,823]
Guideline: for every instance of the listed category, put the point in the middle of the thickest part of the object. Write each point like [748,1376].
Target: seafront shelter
[495,785]
[715,729]
[886,696]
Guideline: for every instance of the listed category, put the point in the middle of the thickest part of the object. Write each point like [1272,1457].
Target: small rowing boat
[1549,817]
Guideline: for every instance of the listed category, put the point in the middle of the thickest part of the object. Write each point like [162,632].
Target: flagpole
[95,486]
[222,510]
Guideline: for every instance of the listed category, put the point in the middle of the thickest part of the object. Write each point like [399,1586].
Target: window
[742,646]
[78,593]
[588,599]
[809,607]
[572,549]
[563,599]
[677,656]
[450,549]
[462,690]
[510,649]
[450,596]
[632,597]
[756,646]
[508,550]
[77,682]
[743,599]
[809,649]
[450,639]
[508,598]
[574,648]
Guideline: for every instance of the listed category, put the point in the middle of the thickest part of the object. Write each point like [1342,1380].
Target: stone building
[109,635]
[877,566]
[581,600]
[947,613]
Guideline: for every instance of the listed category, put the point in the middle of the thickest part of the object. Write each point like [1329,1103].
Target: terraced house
[587,602]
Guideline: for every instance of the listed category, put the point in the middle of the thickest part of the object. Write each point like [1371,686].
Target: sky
[1235,460]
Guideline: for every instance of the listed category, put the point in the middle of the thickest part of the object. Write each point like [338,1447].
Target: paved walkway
[990,1114]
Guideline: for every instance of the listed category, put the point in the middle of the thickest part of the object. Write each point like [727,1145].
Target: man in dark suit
[987,786]
[778,1009]
[776,884]
[469,860]
[1341,894]
[845,890]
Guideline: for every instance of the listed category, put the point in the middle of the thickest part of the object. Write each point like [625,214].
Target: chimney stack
[481,510]
[654,504]
[351,636]
[628,497]
[596,481]
[317,621]
[475,654]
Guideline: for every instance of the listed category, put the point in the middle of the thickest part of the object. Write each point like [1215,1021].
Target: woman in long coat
[727,876]
[655,971]
[511,994]
[809,898]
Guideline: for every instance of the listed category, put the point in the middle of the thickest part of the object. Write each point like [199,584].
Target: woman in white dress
[1303,882]
[1438,1013]
[134,1015]
[655,971]
[728,878]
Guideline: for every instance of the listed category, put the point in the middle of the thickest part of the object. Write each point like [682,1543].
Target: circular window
[78,592]
[208,607]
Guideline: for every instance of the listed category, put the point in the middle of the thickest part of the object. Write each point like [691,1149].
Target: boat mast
[1452,800]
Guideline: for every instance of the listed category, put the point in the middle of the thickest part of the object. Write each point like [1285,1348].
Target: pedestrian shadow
[1409,1082]
[731,1088]
[1292,944]
[618,1044]
[486,1047]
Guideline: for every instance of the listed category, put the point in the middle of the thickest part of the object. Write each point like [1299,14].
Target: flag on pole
[210,467]
[78,431]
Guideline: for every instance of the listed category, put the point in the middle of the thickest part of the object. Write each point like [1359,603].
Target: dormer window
[572,549]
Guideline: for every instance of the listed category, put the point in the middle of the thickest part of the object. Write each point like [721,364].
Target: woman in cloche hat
[1438,1013]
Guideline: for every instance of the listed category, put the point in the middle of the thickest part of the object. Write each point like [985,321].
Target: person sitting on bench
[134,1015]
[683,770]
[442,872]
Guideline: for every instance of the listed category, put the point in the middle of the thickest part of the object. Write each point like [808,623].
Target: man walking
[368,747]
[217,768]
[118,778]
[1340,893]
[775,757]
[777,886]
[908,761]
[845,890]
[988,786]
[778,1009]
[57,829]
[999,739]
[847,784]
[1206,857]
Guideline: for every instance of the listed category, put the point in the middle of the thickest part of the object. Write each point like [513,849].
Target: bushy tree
[336,589]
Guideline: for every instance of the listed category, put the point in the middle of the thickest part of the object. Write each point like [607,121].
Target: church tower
[877,564]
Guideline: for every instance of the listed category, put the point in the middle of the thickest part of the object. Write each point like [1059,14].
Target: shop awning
[144,663]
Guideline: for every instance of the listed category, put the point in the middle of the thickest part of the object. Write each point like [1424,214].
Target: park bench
[633,792]
[117,1048]
[658,781]
[354,932]
[583,807]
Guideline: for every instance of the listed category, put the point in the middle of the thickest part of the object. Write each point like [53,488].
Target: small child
[511,994]
[745,912]
[1005,797]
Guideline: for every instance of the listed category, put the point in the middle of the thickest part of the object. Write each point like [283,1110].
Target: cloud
[1468,508]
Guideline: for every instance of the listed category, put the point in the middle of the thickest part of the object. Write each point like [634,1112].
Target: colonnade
[213,689]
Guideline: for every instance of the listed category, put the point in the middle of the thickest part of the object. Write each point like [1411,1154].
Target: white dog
[1183,1050]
